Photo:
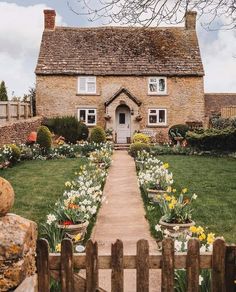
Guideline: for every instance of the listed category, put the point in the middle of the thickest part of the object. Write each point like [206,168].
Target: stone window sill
[157,126]
[88,94]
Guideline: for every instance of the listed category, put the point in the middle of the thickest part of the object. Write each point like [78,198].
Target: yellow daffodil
[77,237]
[168,189]
[58,247]
[168,198]
[202,237]
[171,206]
[199,230]
[184,190]
[166,165]
[193,229]
[174,190]
[210,238]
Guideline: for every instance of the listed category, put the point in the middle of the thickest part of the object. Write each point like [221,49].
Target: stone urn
[74,229]
[176,229]
[6,197]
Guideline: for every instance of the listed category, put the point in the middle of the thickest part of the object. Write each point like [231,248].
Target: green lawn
[38,184]
[214,181]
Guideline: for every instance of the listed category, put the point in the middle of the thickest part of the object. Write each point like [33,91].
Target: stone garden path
[122,216]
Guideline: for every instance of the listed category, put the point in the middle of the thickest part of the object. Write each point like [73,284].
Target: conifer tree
[3,92]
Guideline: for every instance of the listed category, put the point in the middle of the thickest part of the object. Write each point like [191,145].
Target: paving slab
[122,216]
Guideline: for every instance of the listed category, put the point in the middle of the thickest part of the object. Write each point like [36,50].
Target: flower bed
[77,206]
[174,208]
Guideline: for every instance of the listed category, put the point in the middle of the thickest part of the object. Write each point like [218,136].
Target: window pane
[91,87]
[82,115]
[153,87]
[91,111]
[153,80]
[162,84]
[162,116]
[152,119]
[122,118]
[91,119]
[153,111]
[82,84]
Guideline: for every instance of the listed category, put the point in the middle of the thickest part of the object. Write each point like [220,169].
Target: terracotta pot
[152,193]
[183,227]
[74,229]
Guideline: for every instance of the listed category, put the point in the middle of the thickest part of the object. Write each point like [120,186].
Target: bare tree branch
[216,14]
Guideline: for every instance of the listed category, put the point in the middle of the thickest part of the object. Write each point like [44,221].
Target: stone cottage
[123,78]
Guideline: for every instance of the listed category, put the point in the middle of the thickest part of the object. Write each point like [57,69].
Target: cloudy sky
[21,25]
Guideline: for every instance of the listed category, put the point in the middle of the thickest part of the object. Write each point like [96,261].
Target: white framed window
[87,84]
[88,116]
[157,117]
[157,85]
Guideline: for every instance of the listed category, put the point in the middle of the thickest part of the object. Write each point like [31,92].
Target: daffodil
[171,206]
[168,198]
[58,247]
[166,165]
[77,237]
[210,238]
[202,236]
[184,190]
[193,229]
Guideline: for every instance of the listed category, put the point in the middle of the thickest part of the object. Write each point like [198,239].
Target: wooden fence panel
[193,264]
[43,266]
[91,266]
[142,266]
[12,110]
[218,266]
[117,266]
[67,279]
[228,112]
[168,264]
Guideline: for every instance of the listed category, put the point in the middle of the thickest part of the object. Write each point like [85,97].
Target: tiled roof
[120,51]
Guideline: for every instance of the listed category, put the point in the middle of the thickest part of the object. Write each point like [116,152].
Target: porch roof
[125,91]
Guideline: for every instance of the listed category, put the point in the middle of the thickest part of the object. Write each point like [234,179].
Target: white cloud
[20,35]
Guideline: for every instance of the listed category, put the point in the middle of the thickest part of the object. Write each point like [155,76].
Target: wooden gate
[64,267]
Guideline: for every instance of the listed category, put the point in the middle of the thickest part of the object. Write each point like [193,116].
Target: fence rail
[63,267]
[228,112]
[10,111]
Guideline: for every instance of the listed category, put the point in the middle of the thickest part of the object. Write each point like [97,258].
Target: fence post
[193,264]
[26,111]
[218,266]
[91,266]
[168,264]
[142,261]
[43,266]
[8,111]
[117,272]
[18,110]
[67,273]
[230,268]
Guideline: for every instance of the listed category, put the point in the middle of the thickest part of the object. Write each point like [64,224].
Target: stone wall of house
[216,101]
[184,101]
[18,131]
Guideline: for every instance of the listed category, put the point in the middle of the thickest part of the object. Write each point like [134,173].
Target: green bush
[222,123]
[69,128]
[15,153]
[142,138]
[44,138]
[179,130]
[138,146]
[98,135]
[213,139]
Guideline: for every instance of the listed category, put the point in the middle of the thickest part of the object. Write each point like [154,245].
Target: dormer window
[157,85]
[87,85]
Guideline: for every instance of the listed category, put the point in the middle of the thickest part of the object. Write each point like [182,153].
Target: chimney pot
[49,19]
[190,20]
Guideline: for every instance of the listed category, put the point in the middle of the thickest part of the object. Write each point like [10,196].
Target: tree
[3,92]
[216,13]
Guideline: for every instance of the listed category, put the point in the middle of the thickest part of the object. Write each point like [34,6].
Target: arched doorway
[123,125]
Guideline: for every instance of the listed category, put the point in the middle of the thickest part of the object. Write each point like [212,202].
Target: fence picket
[193,264]
[230,268]
[43,266]
[67,279]
[91,266]
[218,266]
[142,261]
[168,263]
[117,273]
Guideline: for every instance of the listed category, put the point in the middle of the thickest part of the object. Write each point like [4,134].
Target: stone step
[121,147]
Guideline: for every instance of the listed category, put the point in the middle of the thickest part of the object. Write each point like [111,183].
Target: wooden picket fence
[14,110]
[228,112]
[64,267]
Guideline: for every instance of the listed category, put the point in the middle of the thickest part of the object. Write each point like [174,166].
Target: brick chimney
[190,20]
[49,19]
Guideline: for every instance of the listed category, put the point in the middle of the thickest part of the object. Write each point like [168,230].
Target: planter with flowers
[176,212]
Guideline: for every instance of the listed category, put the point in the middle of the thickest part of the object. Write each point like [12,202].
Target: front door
[122,124]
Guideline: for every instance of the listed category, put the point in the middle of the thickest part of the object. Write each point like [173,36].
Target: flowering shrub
[176,208]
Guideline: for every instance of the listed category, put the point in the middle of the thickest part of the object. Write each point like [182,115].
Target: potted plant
[176,212]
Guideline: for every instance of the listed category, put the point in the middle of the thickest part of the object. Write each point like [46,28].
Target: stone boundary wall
[18,131]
